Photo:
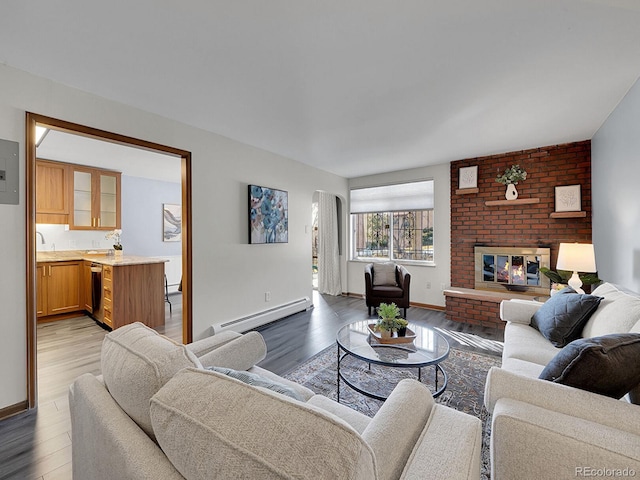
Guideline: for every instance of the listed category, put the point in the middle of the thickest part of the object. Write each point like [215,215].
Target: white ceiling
[351,86]
[135,162]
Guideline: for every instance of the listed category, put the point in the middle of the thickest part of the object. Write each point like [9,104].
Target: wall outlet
[267,296]
[428,285]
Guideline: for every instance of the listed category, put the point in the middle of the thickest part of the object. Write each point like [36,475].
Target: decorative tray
[408,338]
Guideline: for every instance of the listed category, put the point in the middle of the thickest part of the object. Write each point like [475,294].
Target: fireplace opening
[512,268]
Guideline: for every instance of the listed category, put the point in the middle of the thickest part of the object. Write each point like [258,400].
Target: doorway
[35,120]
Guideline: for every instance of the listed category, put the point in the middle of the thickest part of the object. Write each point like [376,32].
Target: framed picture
[172,222]
[468,177]
[268,215]
[568,199]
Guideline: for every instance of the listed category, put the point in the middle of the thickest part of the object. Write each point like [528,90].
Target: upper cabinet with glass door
[96,199]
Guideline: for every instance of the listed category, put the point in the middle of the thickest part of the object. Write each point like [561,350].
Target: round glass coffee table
[429,348]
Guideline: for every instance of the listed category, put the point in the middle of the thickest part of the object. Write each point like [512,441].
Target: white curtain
[328,256]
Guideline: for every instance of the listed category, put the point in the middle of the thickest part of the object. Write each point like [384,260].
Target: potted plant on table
[389,320]
[510,178]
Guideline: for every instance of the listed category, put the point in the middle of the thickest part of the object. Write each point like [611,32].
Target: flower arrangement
[513,174]
[115,236]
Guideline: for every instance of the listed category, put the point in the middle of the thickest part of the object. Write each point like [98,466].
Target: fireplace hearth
[514,269]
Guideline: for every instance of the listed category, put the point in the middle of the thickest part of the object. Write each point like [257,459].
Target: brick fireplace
[514,225]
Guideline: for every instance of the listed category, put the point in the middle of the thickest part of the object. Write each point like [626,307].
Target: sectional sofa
[158,413]
[546,429]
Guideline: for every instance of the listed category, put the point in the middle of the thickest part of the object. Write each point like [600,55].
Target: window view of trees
[393,235]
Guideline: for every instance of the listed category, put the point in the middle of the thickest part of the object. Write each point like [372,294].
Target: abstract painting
[268,215]
[172,222]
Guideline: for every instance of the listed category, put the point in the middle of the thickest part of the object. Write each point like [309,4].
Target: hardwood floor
[37,445]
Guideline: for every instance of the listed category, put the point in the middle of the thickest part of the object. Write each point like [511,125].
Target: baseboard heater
[266,316]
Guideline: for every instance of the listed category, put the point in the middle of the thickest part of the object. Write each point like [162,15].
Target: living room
[222,168]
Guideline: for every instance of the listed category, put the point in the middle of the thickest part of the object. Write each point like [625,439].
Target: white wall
[615,170]
[227,272]
[437,275]
[142,220]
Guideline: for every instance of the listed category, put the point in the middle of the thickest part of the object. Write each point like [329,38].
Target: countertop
[99,257]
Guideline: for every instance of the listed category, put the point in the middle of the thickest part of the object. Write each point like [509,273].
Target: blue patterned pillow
[561,319]
[258,381]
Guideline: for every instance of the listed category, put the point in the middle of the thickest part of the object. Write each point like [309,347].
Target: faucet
[41,237]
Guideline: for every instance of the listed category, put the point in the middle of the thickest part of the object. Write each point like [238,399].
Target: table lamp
[576,257]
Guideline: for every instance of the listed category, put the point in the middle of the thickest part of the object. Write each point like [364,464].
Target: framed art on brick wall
[468,177]
[568,198]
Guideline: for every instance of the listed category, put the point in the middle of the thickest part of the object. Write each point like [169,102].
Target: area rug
[467,371]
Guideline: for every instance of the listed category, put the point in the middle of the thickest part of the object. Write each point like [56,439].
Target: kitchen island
[114,290]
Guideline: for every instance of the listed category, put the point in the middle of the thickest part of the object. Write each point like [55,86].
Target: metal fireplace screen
[512,268]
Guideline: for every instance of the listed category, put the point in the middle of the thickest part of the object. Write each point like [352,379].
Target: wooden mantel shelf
[517,201]
[568,215]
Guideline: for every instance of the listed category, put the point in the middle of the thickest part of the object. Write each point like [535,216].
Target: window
[393,222]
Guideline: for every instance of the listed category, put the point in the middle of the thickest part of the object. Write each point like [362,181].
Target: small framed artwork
[172,222]
[468,177]
[568,198]
[268,215]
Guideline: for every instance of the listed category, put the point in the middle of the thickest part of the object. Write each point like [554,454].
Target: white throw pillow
[618,312]
[384,274]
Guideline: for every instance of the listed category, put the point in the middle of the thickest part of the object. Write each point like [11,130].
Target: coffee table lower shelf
[341,376]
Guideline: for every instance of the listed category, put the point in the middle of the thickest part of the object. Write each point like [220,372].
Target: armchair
[383,289]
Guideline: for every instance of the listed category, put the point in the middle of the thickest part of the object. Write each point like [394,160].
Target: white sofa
[542,429]
[156,413]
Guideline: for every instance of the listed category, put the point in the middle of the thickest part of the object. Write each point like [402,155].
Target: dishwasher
[96,291]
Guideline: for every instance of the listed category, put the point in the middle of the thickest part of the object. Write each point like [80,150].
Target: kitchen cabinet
[95,199]
[53,181]
[133,293]
[87,286]
[58,288]
[107,295]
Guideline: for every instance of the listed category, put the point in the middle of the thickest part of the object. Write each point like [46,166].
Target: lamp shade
[577,257]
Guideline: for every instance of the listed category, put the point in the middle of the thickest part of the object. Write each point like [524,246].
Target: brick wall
[472,222]
[474,312]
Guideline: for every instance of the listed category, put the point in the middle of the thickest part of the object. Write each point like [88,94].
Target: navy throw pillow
[607,365]
[561,318]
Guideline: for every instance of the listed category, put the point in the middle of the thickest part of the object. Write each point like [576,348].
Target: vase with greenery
[510,178]
[389,319]
[513,174]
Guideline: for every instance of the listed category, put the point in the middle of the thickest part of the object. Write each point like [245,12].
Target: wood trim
[31,120]
[31,327]
[428,306]
[187,297]
[14,409]
[77,129]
